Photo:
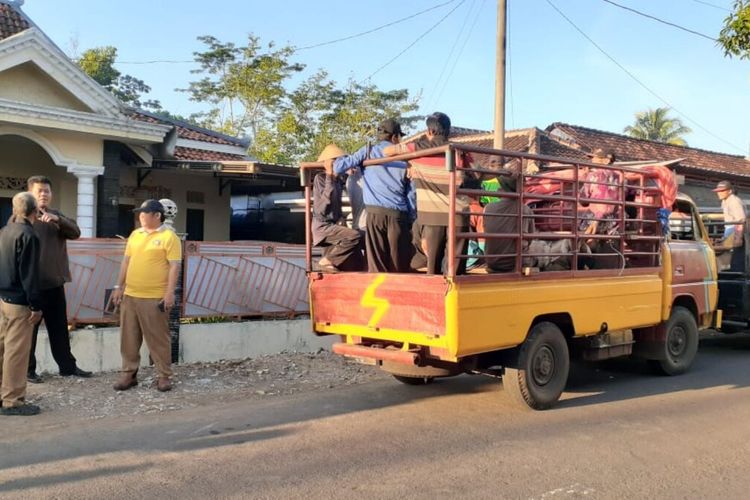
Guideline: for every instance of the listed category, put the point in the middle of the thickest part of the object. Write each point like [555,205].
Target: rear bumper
[377,353]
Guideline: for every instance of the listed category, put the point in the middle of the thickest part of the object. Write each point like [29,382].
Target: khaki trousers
[15,346]
[141,319]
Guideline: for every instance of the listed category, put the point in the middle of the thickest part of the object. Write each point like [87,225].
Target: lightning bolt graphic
[370,301]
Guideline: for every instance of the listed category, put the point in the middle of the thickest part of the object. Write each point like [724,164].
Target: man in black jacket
[20,304]
[54,230]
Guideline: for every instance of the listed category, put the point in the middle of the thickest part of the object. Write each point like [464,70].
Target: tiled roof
[12,22]
[189,131]
[192,154]
[631,149]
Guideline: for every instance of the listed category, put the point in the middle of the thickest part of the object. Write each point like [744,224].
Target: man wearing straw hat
[342,246]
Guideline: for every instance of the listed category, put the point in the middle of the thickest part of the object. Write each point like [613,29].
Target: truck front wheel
[680,344]
[541,371]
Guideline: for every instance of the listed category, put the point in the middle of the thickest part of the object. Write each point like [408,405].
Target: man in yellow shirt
[145,290]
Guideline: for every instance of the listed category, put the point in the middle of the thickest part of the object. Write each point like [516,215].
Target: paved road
[618,433]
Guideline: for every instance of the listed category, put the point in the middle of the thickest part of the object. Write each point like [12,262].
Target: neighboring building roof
[12,21]
[188,130]
[630,149]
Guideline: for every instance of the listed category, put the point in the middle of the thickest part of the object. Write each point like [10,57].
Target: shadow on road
[47,480]
[722,360]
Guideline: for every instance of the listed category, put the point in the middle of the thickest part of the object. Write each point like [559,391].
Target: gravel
[200,384]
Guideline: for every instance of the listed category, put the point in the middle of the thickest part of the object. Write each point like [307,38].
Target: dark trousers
[387,241]
[55,315]
[435,239]
[343,247]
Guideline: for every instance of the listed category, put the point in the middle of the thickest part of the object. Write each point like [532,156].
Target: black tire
[541,370]
[681,343]
[413,380]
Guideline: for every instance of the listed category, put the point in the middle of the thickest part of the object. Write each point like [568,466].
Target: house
[697,170]
[104,158]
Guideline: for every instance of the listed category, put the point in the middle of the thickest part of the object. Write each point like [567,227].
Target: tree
[99,64]
[243,84]
[734,37]
[250,93]
[655,125]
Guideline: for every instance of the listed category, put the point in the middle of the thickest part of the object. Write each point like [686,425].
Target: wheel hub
[677,341]
[543,365]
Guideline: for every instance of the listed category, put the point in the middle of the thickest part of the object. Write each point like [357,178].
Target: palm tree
[655,125]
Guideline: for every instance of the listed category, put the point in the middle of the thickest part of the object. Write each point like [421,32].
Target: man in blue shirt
[386,195]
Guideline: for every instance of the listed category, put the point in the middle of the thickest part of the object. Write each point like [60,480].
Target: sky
[554,73]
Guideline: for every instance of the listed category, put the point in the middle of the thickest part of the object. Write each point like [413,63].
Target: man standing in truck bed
[432,183]
[386,191]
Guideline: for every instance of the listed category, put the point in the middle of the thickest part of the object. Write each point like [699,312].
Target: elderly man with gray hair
[19,302]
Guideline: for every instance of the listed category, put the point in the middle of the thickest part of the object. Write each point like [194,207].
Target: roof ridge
[651,141]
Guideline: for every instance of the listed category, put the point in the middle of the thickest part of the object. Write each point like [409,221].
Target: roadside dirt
[200,384]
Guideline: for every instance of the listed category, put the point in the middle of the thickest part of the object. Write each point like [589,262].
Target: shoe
[34,378]
[125,383]
[78,373]
[164,384]
[24,410]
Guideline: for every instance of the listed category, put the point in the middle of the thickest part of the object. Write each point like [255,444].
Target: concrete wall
[99,349]
[27,83]
[217,210]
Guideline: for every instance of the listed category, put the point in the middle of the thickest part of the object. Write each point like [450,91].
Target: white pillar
[86,206]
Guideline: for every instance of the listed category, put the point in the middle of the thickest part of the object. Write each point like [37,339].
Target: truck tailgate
[386,306]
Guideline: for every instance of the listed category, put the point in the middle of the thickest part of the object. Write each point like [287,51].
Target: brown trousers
[141,319]
[15,346]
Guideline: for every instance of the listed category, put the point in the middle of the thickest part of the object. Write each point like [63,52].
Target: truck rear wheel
[541,370]
[680,345]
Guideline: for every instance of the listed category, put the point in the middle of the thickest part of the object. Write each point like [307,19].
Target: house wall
[27,83]
[22,158]
[84,149]
[217,210]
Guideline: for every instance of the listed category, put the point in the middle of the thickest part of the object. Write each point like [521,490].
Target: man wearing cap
[145,290]
[386,192]
[53,230]
[342,245]
[734,219]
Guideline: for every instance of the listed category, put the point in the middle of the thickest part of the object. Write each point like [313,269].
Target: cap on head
[331,152]
[723,186]
[391,127]
[149,207]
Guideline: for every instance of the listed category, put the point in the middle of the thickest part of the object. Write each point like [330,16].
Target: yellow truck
[646,294]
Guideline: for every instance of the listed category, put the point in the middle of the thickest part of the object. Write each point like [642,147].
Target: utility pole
[499,137]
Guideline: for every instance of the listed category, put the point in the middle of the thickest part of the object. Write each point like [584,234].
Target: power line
[660,20]
[450,55]
[713,5]
[463,46]
[631,75]
[415,41]
[373,30]
[307,47]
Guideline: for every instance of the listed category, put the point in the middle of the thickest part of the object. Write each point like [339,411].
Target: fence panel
[248,278]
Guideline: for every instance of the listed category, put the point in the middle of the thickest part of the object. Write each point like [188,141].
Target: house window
[194,224]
